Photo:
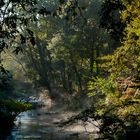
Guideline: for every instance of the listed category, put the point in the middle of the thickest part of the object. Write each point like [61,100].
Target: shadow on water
[5,129]
[38,124]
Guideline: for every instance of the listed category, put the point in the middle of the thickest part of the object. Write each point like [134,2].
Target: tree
[111,18]
[13,15]
[117,96]
[122,63]
[74,47]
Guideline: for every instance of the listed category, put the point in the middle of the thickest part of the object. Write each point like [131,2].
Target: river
[42,124]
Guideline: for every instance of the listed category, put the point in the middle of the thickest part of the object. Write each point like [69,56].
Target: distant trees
[66,50]
[79,41]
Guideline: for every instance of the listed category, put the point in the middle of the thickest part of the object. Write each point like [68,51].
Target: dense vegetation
[78,47]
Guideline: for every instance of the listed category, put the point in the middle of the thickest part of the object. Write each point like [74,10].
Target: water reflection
[39,125]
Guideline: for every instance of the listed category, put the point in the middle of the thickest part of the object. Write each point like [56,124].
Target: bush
[9,109]
[119,116]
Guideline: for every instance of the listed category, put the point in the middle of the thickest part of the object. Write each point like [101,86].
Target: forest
[82,56]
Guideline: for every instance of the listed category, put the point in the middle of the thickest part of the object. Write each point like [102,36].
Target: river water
[42,124]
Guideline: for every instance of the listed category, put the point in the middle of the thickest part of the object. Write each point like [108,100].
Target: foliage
[122,64]
[53,38]
[118,109]
[117,117]
[114,111]
[9,109]
[60,57]
[64,46]
[101,86]
[5,80]
[12,108]
[12,16]
[110,18]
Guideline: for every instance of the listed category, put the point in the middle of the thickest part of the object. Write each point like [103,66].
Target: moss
[9,109]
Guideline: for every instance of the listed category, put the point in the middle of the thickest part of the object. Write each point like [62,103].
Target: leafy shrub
[119,117]
[11,108]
